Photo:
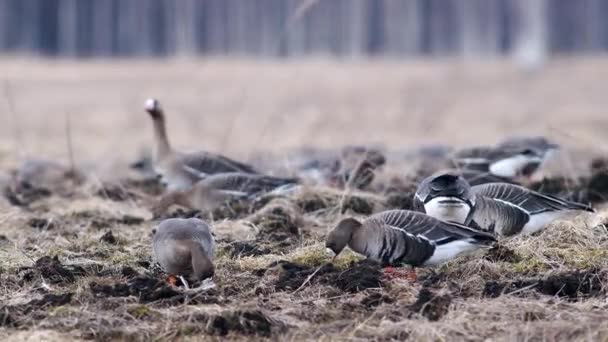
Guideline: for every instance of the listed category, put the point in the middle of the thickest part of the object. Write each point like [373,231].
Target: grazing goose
[405,237]
[185,247]
[505,209]
[181,170]
[212,191]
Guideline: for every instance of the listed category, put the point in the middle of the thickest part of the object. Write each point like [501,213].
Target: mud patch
[41,223]
[358,277]
[244,322]
[149,290]
[108,238]
[431,305]
[52,270]
[246,248]
[569,285]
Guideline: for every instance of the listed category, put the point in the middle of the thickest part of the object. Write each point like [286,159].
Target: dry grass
[273,280]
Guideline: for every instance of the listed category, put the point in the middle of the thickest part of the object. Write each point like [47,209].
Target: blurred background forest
[271,28]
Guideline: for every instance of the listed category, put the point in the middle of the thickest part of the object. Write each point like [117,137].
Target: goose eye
[527,152]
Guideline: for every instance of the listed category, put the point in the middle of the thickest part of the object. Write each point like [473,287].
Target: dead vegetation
[78,265]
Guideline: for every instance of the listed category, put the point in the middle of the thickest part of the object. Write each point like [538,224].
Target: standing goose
[505,209]
[212,191]
[181,170]
[405,237]
[185,247]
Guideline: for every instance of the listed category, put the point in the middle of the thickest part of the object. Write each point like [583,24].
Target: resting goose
[179,171]
[212,191]
[513,159]
[185,247]
[405,237]
[505,209]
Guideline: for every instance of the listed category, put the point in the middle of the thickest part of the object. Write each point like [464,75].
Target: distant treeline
[270,28]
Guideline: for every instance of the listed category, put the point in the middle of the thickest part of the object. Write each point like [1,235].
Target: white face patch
[448,209]
[512,167]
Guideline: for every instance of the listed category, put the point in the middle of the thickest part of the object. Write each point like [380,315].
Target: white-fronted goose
[185,247]
[397,237]
[181,170]
[505,209]
[213,191]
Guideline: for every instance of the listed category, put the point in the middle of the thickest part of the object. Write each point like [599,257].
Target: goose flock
[477,197]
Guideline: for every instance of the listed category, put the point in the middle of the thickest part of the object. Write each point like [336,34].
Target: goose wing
[209,163]
[530,201]
[418,224]
[498,216]
[247,183]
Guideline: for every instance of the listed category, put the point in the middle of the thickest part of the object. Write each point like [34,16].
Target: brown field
[273,280]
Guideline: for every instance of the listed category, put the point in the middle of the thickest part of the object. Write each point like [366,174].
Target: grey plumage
[185,247]
[505,209]
[181,170]
[399,236]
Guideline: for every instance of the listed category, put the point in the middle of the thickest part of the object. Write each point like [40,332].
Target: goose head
[341,236]
[152,106]
[446,196]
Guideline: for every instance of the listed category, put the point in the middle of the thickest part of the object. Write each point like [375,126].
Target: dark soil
[52,271]
[431,305]
[246,322]
[246,248]
[570,285]
[360,276]
[108,238]
[41,223]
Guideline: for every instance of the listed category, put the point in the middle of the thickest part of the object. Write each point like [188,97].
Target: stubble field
[76,262]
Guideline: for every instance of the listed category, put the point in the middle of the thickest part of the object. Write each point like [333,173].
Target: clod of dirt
[246,248]
[501,253]
[146,289]
[24,196]
[359,276]
[570,285]
[54,272]
[245,322]
[4,241]
[128,272]
[597,188]
[357,205]
[108,238]
[50,300]
[277,222]
[431,305]
[115,192]
[293,275]
[374,299]
[251,322]
[41,223]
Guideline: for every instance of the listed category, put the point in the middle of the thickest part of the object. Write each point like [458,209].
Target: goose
[353,167]
[184,247]
[212,191]
[397,237]
[514,158]
[179,171]
[502,208]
